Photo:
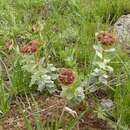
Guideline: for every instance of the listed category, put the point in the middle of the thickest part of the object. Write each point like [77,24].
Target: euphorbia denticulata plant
[43,74]
[70,89]
[103,56]
[104,53]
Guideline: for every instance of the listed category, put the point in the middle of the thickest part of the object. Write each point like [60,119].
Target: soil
[47,108]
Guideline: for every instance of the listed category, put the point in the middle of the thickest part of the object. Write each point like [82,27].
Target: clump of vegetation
[49,48]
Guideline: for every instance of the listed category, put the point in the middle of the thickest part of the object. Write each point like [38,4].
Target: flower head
[105,38]
[8,45]
[31,47]
[66,77]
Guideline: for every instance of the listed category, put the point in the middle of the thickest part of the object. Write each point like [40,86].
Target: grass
[67,31]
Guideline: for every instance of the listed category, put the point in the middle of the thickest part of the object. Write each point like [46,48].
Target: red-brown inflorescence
[66,77]
[8,45]
[105,38]
[31,47]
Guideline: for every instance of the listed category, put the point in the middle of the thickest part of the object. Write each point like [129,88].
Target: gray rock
[122,29]
[122,32]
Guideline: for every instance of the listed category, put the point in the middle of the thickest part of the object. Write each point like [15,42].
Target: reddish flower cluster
[31,47]
[105,38]
[8,45]
[66,77]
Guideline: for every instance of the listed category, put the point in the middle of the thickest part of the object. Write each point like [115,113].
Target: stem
[7,72]
[125,67]
[62,113]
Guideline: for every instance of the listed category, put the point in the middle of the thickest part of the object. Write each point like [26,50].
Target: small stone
[107,104]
